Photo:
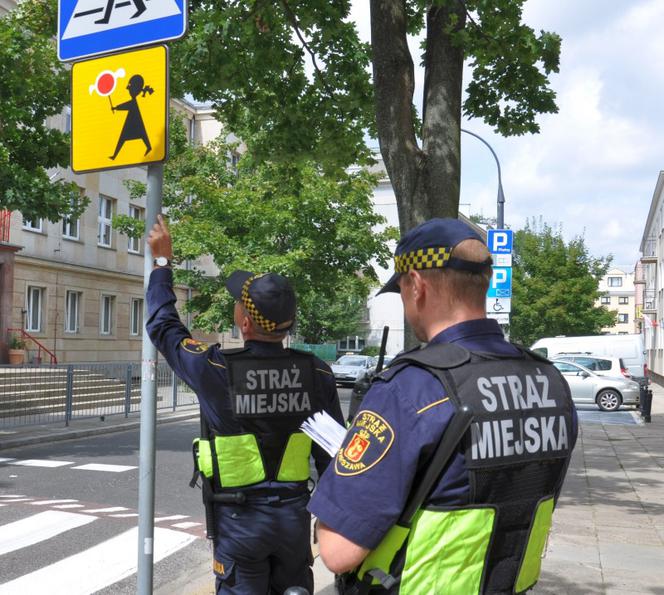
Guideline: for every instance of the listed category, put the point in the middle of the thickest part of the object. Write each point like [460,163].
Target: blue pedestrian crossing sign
[501,283]
[92,27]
[499,241]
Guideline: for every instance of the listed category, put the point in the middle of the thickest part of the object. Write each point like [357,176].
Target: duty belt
[259,495]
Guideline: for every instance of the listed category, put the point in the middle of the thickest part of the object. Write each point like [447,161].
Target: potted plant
[16,350]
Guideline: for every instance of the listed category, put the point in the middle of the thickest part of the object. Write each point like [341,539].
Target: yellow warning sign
[119,110]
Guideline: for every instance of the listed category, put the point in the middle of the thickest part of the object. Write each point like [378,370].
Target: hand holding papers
[324,431]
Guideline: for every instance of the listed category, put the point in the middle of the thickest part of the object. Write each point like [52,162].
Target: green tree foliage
[291,78]
[33,86]
[555,286]
[293,219]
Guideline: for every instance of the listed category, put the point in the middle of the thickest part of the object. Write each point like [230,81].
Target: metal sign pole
[148,405]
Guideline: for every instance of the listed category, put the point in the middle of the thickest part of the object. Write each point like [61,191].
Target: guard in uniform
[252,458]
[447,479]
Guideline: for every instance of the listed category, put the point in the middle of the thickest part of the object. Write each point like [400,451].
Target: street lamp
[500,219]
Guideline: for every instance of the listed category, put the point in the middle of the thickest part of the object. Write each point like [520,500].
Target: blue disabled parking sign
[92,27]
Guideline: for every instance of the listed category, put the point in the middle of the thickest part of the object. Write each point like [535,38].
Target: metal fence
[31,395]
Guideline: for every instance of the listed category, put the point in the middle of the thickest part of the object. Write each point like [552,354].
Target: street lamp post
[500,216]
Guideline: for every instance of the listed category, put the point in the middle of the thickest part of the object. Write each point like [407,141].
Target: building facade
[651,279]
[618,293]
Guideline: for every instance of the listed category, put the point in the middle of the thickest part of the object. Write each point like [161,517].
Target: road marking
[6,460]
[125,515]
[12,495]
[97,567]
[18,500]
[69,506]
[174,517]
[41,463]
[109,509]
[185,525]
[107,468]
[47,502]
[39,527]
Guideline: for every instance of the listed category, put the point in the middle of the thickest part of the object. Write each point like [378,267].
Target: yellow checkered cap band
[424,258]
[266,324]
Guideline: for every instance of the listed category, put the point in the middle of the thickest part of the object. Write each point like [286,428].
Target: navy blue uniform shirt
[405,418]
[203,368]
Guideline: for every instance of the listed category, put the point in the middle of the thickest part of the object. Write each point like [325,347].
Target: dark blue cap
[429,246]
[268,297]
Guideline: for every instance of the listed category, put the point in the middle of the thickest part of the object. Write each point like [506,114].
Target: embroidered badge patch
[194,346]
[370,437]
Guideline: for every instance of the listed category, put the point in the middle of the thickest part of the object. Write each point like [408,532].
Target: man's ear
[417,284]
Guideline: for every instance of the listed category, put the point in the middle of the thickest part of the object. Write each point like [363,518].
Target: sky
[593,167]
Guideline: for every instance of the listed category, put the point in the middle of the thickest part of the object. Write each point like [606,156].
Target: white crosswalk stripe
[40,463]
[94,568]
[48,463]
[38,527]
[105,467]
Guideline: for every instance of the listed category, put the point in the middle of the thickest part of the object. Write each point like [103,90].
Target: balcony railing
[650,300]
[5,220]
[649,250]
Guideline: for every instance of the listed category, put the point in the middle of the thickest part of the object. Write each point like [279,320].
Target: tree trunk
[425,179]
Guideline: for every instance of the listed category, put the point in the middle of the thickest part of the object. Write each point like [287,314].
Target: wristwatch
[162,261]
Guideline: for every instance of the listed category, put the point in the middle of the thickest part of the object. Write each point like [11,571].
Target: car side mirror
[585,374]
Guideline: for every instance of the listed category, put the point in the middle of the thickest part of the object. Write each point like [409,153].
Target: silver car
[348,368]
[607,392]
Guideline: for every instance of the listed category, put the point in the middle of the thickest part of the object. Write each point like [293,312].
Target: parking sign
[499,241]
[501,283]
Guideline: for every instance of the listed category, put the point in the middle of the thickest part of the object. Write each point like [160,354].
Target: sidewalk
[608,531]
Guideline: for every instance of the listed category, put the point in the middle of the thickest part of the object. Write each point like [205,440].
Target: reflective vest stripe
[239,459]
[241,464]
[532,559]
[383,555]
[295,462]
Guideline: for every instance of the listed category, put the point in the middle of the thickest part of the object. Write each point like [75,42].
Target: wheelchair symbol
[497,307]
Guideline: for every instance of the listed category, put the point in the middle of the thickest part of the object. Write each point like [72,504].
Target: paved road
[68,513]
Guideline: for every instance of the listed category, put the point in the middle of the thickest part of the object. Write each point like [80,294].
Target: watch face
[161,261]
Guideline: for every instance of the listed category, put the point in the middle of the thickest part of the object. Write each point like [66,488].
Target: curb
[85,432]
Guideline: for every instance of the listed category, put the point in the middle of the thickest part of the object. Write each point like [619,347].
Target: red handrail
[5,220]
[40,347]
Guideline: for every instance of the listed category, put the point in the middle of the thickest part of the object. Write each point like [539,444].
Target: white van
[629,348]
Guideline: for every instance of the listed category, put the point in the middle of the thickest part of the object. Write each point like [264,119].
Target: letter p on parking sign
[499,241]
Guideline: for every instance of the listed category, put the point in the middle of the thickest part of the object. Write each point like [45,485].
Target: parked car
[602,365]
[361,387]
[629,348]
[607,392]
[348,368]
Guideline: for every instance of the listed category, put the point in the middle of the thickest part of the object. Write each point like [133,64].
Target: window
[136,322]
[32,224]
[623,300]
[135,243]
[70,225]
[67,119]
[34,305]
[351,344]
[72,307]
[623,318]
[235,332]
[606,299]
[105,223]
[106,314]
[615,281]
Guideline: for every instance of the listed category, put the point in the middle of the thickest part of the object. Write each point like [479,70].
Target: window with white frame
[235,332]
[623,300]
[135,243]
[615,281]
[70,225]
[351,344]
[34,309]
[623,318]
[106,314]
[136,314]
[32,224]
[105,222]
[72,311]
[605,300]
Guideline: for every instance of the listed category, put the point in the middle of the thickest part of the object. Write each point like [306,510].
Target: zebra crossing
[51,464]
[42,522]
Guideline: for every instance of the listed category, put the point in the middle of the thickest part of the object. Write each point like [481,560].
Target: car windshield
[351,360]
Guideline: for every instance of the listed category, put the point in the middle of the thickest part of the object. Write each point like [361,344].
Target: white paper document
[324,431]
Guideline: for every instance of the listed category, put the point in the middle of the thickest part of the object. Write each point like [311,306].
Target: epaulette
[390,372]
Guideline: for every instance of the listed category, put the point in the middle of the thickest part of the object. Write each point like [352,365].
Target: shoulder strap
[436,355]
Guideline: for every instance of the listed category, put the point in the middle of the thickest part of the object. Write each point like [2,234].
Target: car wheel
[608,400]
